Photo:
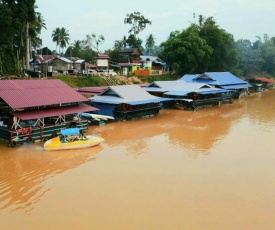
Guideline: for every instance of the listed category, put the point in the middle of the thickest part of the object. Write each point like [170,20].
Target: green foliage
[18,24]
[138,22]
[224,55]
[84,81]
[153,78]
[186,51]
[150,44]
[61,37]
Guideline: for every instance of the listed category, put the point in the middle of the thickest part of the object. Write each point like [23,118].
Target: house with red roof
[38,109]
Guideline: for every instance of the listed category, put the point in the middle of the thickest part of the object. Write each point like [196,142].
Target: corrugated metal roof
[53,112]
[221,78]
[125,94]
[237,86]
[65,59]
[199,91]
[34,93]
[264,79]
[79,61]
[165,86]
[189,77]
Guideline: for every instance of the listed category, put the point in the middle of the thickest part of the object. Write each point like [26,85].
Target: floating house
[189,95]
[261,83]
[33,110]
[223,80]
[126,102]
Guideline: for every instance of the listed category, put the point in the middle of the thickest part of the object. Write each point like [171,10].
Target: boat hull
[56,144]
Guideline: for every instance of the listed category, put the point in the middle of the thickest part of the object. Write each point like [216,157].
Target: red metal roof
[267,80]
[52,112]
[34,93]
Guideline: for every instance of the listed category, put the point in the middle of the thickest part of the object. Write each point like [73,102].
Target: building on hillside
[134,62]
[47,65]
[102,62]
[130,61]
[153,64]
[33,110]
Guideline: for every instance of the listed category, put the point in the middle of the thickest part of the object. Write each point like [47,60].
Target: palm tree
[120,44]
[64,38]
[150,44]
[61,37]
[37,25]
[56,37]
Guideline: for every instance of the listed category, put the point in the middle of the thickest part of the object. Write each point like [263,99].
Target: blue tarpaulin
[70,131]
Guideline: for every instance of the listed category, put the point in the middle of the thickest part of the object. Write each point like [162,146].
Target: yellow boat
[71,138]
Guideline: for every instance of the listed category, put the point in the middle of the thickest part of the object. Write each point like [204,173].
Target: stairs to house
[109,80]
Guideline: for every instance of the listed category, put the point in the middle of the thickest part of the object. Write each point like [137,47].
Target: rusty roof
[34,93]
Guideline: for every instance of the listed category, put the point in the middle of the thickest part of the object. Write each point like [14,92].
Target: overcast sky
[244,19]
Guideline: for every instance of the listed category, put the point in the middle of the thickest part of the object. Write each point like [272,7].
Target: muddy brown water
[207,169]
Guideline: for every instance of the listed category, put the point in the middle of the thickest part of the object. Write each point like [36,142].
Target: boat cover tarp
[70,131]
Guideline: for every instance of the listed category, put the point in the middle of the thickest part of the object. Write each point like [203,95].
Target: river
[209,169]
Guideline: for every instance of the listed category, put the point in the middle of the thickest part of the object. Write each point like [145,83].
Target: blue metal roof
[198,91]
[70,131]
[211,91]
[188,77]
[166,86]
[238,86]
[219,78]
[177,93]
[130,94]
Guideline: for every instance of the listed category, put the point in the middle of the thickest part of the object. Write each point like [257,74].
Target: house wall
[58,64]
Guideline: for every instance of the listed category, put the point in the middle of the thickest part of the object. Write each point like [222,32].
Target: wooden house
[189,95]
[126,102]
[33,110]
[153,64]
[130,61]
[223,80]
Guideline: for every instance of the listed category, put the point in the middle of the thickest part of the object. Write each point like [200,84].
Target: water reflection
[196,131]
[261,107]
[24,170]
[145,174]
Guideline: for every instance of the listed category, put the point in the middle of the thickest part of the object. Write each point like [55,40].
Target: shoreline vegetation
[93,81]
[97,81]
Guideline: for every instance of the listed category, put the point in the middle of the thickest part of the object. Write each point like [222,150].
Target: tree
[56,37]
[61,37]
[138,22]
[266,51]
[133,42]
[120,44]
[64,38]
[224,56]
[75,50]
[35,29]
[16,21]
[93,41]
[150,44]
[186,51]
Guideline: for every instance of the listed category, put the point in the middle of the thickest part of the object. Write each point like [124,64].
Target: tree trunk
[27,46]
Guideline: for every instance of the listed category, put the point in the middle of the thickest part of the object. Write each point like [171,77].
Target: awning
[239,86]
[52,112]
[214,91]
[177,93]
